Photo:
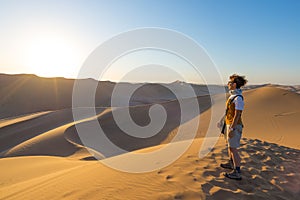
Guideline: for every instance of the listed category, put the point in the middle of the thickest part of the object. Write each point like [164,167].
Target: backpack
[223,125]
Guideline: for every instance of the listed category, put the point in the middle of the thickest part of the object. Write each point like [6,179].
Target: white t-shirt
[238,102]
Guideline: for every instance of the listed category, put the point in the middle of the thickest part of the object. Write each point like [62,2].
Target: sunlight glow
[49,55]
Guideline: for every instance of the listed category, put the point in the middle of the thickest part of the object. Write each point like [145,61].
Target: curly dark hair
[239,80]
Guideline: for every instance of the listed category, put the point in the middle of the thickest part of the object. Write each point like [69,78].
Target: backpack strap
[231,100]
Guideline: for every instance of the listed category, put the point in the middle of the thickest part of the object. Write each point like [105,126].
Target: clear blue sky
[259,39]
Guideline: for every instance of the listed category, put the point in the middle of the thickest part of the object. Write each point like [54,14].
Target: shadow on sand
[269,171]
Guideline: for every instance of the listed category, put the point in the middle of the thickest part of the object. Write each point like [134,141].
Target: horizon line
[113,81]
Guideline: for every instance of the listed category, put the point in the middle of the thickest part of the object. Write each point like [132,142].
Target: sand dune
[54,133]
[18,119]
[18,133]
[140,116]
[42,135]
[42,156]
[273,114]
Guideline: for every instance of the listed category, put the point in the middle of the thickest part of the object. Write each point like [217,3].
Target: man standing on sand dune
[234,125]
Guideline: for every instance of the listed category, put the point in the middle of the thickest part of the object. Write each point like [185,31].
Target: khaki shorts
[234,142]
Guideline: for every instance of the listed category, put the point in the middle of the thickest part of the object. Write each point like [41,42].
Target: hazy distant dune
[24,94]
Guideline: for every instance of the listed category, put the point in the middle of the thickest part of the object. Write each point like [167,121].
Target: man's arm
[236,118]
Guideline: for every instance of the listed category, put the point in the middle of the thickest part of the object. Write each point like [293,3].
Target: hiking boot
[228,165]
[233,175]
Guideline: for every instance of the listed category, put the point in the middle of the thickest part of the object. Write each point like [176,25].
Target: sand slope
[273,114]
[270,172]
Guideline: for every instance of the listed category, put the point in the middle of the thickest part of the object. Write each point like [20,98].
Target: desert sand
[42,157]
